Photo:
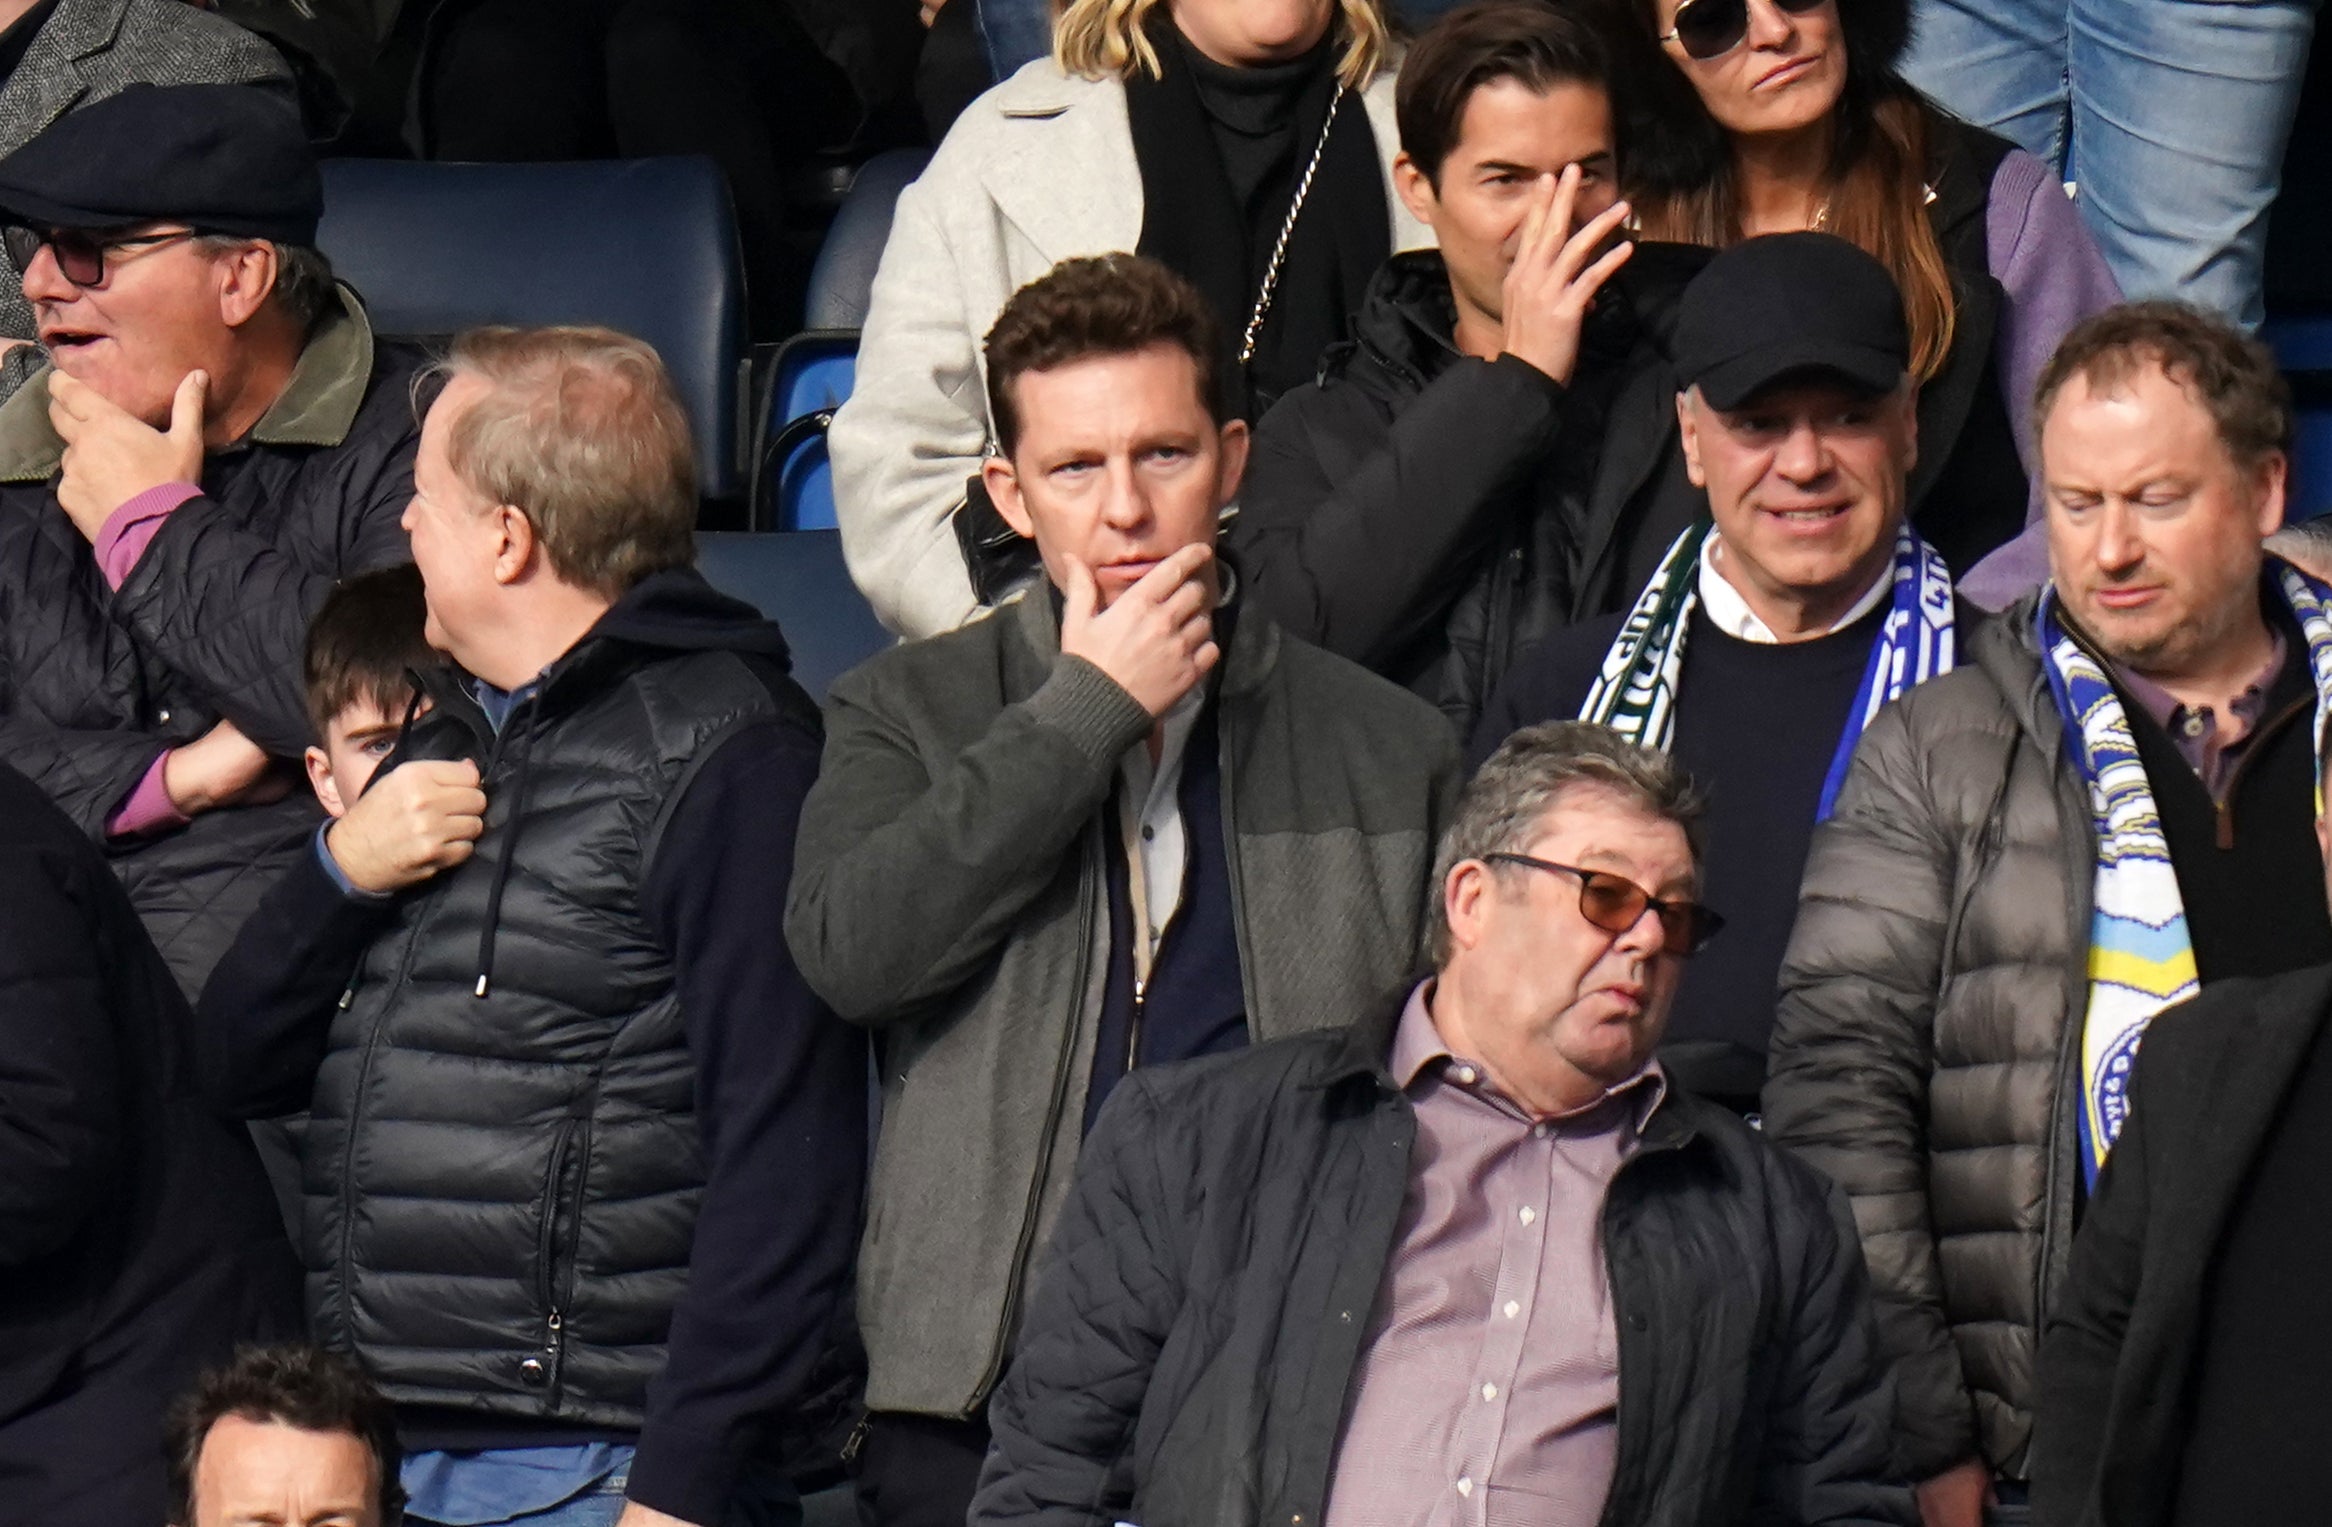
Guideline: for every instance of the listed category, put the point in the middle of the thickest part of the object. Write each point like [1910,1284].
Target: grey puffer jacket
[1924,1053]
[949,889]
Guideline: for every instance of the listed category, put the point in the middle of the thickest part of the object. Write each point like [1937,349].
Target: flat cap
[219,158]
[1785,306]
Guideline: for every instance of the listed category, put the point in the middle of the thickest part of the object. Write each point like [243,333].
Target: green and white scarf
[2141,958]
[1635,694]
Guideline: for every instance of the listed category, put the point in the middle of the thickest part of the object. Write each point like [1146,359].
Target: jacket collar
[316,408]
[50,79]
[1064,131]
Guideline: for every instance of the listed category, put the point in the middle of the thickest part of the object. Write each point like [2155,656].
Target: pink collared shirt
[1488,1392]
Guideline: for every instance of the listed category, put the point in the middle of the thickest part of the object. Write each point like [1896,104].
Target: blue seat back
[793,486]
[647,246]
[797,579]
[844,275]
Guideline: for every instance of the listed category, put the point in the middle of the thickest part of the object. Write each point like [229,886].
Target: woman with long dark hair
[1774,116]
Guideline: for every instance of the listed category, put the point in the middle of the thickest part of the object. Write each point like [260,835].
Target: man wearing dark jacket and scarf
[1118,821]
[2106,806]
[1470,1258]
[219,438]
[584,1156]
[1494,456]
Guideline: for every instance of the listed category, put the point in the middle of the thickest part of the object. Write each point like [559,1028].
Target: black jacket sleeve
[781,1095]
[266,1012]
[1549,681]
[2081,1350]
[1829,1443]
[1358,536]
[1105,1300]
[61,1088]
[87,773]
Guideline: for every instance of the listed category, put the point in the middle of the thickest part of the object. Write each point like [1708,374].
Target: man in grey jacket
[2104,807]
[1120,820]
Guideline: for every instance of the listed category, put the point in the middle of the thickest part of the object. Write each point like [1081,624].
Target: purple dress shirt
[1488,1392]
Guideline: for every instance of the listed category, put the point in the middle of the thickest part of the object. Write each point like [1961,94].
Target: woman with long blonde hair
[1774,116]
[1248,144]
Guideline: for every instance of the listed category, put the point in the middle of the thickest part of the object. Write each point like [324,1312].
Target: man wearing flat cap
[218,438]
[1777,627]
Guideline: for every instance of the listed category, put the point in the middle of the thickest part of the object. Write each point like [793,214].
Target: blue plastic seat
[647,246]
[810,376]
[797,579]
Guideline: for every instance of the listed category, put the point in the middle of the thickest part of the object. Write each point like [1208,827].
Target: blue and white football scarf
[2141,959]
[1635,694]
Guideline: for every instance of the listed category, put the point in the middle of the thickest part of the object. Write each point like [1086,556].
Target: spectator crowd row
[1569,691]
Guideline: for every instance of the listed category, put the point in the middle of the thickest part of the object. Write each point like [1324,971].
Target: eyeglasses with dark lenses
[81,253]
[1707,28]
[1615,904]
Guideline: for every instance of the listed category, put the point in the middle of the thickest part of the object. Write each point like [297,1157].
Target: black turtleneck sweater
[1252,112]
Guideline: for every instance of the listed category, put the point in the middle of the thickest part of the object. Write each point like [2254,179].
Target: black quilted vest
[503,1170]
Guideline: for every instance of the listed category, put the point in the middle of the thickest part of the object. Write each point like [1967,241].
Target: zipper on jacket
[546,1283]
[1134,1028]
[2257,744]
[1016,1275]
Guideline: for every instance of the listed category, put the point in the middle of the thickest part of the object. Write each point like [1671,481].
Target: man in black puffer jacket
[1495,455]
[585,1157]
[220,437]
[1472,1244]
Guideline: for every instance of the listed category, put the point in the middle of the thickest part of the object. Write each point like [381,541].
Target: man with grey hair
[585,1155]
[1248,1316]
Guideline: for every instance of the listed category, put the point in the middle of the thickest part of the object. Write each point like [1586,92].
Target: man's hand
[1158,640]
[1956,1497]
[112,456]
[1555,276]
[417,819]
[637,1515]
[222,767]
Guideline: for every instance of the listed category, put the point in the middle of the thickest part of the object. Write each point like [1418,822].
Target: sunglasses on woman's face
[81,253]
[1707,28]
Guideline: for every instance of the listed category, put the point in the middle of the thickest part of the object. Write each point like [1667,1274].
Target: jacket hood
[1409,319]
[677,611]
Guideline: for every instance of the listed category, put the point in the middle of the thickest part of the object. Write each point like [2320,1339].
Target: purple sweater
[2043,257]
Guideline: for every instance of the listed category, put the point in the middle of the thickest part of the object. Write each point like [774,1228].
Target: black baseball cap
[1790,306]
[218,158]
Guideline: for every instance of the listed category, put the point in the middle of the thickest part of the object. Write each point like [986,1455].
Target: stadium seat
[2303,348]
[648,246]
[844,275]
[797,579]
[803,383]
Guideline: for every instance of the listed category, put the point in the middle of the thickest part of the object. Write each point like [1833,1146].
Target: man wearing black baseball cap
[219,438]
[1777,626]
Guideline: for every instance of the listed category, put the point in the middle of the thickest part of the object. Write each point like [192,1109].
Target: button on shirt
[1488,1392]
[2211,748]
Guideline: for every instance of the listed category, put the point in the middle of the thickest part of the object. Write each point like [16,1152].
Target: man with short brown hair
[2106,807]
[1120,820]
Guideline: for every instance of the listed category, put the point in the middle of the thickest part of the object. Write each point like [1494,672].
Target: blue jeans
[2171,114]
[763,1499]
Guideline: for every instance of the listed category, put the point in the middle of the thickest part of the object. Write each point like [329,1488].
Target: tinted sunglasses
[81,252]
[1615,904]
[1706,28]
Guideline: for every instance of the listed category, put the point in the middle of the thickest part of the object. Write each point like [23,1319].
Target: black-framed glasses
[81,252]
[1615,904]
[1708,28]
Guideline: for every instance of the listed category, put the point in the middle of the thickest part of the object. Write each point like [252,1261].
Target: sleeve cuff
[1097,715]
[337,875]
[148,807]
[685,1473]
[132,527]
